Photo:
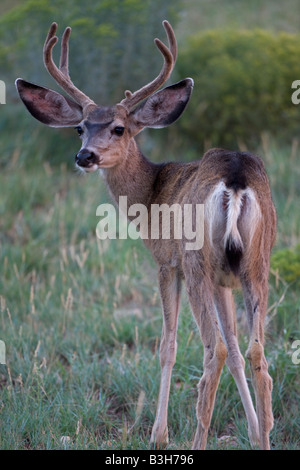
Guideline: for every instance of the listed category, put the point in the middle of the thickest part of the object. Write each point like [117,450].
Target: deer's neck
[134,177]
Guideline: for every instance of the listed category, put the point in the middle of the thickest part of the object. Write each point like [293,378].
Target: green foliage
[242,86]
[111,48]
[287,263]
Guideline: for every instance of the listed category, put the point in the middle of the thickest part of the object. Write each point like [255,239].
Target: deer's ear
[48,106]
[164,107]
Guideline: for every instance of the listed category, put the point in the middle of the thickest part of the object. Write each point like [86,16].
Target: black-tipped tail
[234,253]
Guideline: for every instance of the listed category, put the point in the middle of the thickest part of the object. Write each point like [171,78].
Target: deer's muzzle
[85,158]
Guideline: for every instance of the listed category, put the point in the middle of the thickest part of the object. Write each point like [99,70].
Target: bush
[287,263]
[242,86]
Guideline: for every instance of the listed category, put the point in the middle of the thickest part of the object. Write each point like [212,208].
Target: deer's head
[105,131]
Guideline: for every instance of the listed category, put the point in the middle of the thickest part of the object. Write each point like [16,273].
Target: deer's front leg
[169,285]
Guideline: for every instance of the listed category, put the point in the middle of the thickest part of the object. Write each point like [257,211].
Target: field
[81,318]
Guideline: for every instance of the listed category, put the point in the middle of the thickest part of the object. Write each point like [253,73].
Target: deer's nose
[84,157]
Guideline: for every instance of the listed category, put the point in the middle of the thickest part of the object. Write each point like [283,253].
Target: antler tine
[61,74]
[64,55]
[170,55]
[171,39]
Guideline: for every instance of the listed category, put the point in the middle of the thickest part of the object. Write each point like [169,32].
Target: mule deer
[239,227]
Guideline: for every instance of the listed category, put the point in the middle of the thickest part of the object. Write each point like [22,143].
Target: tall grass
[81,320]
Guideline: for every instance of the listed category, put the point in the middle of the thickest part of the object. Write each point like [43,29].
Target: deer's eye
[119,130]
[79,130]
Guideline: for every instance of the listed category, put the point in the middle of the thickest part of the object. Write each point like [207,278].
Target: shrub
[287,263]
[242,86]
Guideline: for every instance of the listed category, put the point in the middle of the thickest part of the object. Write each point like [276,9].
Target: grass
[81,319]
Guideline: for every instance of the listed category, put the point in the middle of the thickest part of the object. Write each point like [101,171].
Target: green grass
[81,320]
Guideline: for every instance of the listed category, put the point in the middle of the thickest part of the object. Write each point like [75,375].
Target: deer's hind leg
[235,361]
[200,293]
[256,295]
